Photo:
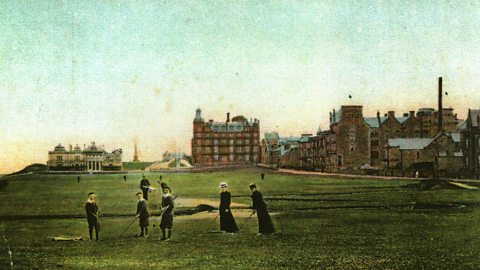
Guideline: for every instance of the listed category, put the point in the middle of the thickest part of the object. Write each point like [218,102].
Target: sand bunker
[193,202]
[240,213]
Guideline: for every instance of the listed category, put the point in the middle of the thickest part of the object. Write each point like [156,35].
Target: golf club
[212,224]
[248,218]
[128,226]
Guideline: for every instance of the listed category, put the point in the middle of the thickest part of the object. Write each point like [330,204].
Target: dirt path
[347,176]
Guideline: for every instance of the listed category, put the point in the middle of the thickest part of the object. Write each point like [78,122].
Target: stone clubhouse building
[89,159]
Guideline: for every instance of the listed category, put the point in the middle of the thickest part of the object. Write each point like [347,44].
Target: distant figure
[91,210]
[265,224]
[263,175]
[124,178]
[160,177]
[145,187]
[166,223]
[142,214]
[227,222]
[78,179]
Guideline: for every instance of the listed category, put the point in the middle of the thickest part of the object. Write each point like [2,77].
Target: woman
[265,225]
[227,222]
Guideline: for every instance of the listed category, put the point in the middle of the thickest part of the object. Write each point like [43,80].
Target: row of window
[209,150]
[224,135]
[224,142]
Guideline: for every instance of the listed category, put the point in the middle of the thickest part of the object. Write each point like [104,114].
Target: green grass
[322,224]
[131,166]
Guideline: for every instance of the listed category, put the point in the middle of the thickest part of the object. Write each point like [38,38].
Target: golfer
[142,215]
[227,222]
[145,187]
[265,224]
[167,208]
[91,210]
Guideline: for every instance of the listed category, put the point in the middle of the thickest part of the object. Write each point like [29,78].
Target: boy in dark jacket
[91,210]
[145,187]
[142,215]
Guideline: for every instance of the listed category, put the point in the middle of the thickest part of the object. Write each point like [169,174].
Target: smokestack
[228,117]
[440,105]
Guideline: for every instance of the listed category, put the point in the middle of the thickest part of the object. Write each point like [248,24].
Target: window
[418,155]
[77,158]
[59,158]
[340,160]
[374,155]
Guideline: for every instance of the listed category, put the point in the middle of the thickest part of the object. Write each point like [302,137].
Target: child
[142,215]
[91,209]
[167,208]
[145,186]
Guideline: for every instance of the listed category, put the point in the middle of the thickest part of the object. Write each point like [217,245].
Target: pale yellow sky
[78,71]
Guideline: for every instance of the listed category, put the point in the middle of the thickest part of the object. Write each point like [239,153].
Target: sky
[116,72]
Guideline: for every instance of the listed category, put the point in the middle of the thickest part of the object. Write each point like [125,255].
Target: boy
[145,186]
[167,208]
[91,209]
[142,215]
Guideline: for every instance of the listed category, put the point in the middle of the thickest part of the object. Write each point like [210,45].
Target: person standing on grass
[145,187]
[265,224]
[91,209]
[124,178]
[142,215]
[227,222]
[166,223]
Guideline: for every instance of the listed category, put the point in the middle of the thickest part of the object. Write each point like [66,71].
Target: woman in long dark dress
[227,222]
[265,224]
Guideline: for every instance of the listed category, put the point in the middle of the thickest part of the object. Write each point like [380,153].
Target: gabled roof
[290,139]
[455,136]
[373,121]
[410,143]
[474,115]
[402,119]
[462,125]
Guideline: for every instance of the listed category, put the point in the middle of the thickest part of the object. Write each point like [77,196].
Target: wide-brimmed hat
[252,185]
[223,185]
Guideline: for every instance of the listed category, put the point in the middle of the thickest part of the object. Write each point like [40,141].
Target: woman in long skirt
[265,224]
[227,222]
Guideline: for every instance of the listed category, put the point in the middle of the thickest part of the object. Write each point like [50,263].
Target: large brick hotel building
[234,141]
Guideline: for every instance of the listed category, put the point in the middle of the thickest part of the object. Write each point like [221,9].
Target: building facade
[234,141]
[471,143]
[91,158]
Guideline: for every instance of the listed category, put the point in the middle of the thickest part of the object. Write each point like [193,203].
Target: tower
[135,155]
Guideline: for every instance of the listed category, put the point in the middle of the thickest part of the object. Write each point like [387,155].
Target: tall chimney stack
[440,105]
[228,117]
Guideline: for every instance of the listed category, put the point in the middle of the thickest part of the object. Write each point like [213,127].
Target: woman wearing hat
[166,223]
[227,222]
[265,224]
